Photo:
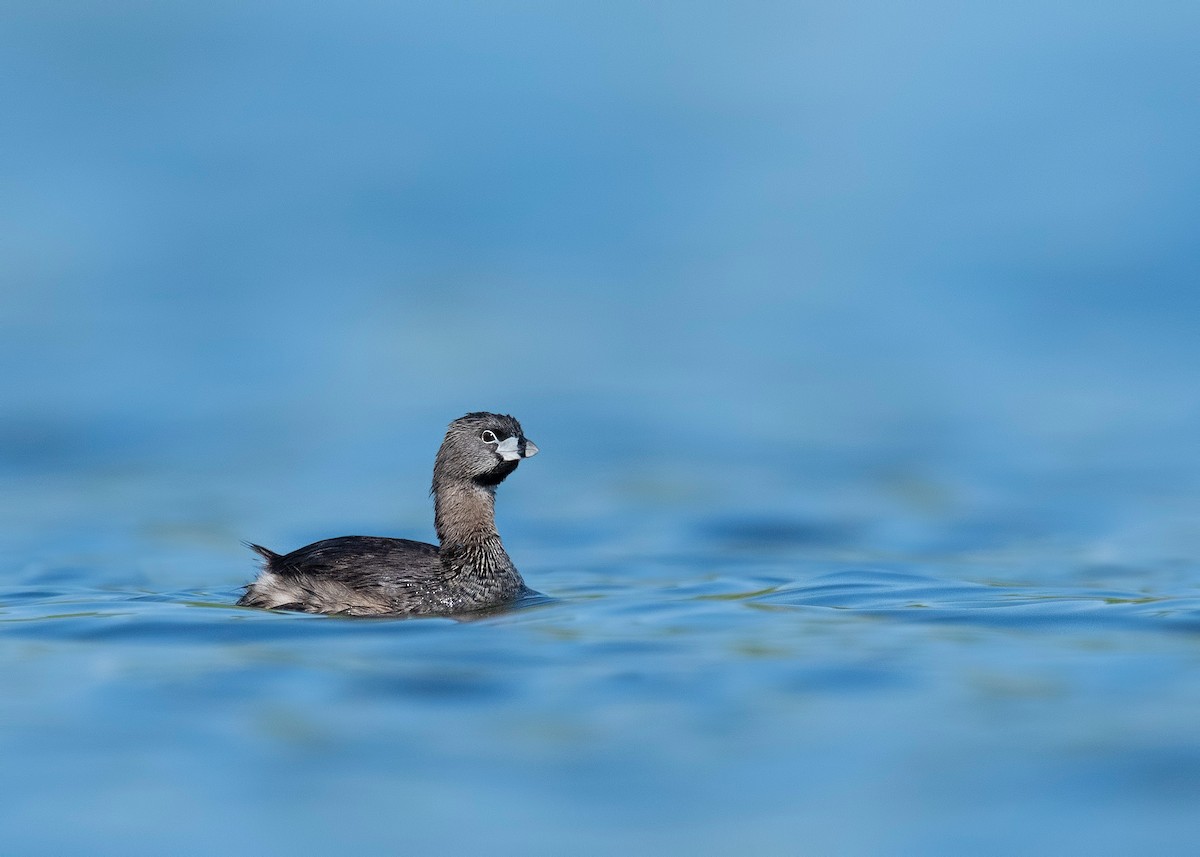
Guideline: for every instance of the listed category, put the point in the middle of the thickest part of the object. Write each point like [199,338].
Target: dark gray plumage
[372,576]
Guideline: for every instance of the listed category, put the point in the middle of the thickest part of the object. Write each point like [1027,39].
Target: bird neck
[464,513]
[465,518]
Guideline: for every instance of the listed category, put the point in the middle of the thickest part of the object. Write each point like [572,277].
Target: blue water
[860,343]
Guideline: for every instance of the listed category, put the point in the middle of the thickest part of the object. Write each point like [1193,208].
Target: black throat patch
[497,474]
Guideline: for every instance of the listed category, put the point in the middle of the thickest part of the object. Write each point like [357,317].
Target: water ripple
[926,599]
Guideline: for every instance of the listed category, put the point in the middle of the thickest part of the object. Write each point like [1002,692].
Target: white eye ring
[488,437]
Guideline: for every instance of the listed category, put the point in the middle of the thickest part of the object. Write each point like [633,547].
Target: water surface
[859,342]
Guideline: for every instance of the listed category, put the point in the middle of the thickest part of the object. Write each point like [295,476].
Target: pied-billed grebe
[372,576]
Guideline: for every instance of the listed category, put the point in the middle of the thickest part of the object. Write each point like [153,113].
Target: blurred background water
[860,342]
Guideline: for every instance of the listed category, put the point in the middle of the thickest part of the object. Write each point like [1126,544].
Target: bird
[467,571]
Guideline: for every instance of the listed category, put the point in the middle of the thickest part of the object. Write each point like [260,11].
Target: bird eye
[488,437]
